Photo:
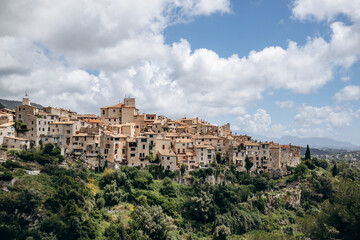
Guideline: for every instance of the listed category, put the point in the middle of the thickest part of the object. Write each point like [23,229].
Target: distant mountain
[320,143]
[11,104]
[317,142]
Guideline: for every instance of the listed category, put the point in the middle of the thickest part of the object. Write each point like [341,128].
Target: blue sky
[272,68]
[254,25]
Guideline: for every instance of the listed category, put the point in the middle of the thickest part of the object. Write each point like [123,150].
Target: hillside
[133,203]
[11,104]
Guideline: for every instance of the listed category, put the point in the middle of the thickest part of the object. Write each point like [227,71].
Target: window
[132,149]
[168,158]
[132,155]
[163,146]
[144,147]
[68,131]
[103,112]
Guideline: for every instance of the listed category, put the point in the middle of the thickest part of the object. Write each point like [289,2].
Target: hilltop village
[123,136]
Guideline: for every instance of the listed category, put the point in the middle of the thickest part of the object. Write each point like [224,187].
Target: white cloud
[348,93]
[326,9]
[259,123]
[285,104]
[327,116]
[46,48]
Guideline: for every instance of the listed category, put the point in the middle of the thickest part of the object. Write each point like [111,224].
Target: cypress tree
[307,153]
[248,163]
[334,170]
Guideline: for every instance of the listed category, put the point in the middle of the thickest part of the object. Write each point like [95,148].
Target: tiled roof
[119,105]
[167,152]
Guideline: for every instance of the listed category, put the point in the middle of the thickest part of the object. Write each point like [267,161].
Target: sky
[271,68]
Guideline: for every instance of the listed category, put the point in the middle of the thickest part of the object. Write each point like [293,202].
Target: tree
[168,188]
[20,127]
[334,170]
[48,148]
[221,232]
[218,158]
[152,221]
[201,208]
[248,164]
[183,168]
[112,194]
[307,153]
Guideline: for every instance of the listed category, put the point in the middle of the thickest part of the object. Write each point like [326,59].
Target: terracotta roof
[63,123]
[84,135]
[167,152]
[205,136]
[183,127]
[189,154]
[119,105]
[203,146]
[183,140]
[250,143]
[17,138]
[6,124]
[94,121]
[172,134]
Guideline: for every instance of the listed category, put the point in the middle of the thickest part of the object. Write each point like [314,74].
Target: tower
[26,100]
[129,102]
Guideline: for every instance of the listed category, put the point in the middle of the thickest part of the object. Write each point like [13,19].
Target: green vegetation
[307,153]
[20,127]
[321,202]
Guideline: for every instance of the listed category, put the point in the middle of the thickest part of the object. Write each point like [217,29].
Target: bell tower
[26,100]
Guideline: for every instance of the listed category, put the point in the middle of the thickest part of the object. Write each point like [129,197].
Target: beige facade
[86,145]
[17,143]
[205,155]
[6,130]
[142,151]
[132,148]
[61,135]
[6,117]
[119,113]
[168,160]
[113,147]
